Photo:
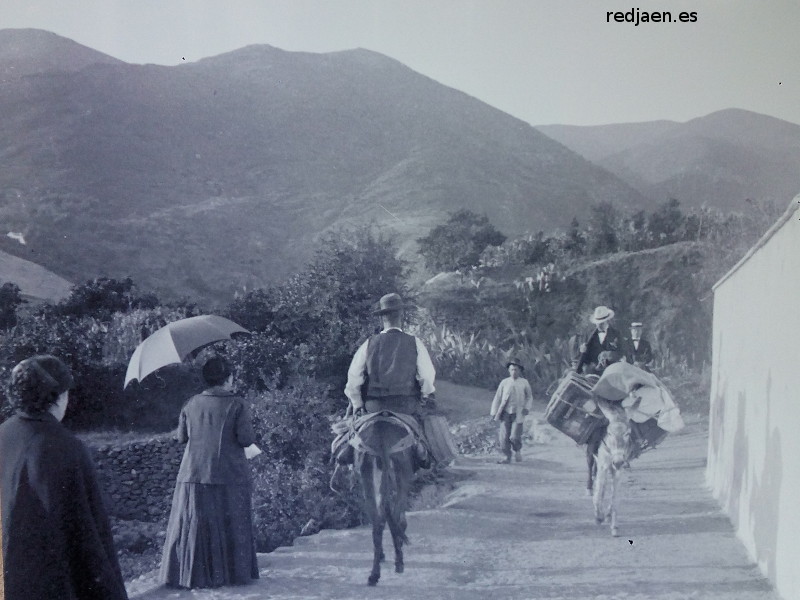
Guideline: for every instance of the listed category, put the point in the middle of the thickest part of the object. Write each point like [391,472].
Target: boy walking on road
[511,404]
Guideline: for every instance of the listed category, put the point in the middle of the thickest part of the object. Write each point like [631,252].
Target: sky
[543,61]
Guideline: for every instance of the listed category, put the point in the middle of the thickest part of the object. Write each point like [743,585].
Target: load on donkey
[618,414]
[390,429]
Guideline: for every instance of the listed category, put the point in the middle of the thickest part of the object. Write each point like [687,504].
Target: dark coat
[217,426]
[643,355]
[57,541]
[613,342]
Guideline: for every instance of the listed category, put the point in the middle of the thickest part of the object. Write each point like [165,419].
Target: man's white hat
[601,314]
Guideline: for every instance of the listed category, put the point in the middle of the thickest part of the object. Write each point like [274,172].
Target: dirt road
[526,531]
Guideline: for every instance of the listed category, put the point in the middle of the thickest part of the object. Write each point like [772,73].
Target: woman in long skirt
[209,539]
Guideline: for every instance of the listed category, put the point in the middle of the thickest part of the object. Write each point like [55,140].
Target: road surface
[526,531]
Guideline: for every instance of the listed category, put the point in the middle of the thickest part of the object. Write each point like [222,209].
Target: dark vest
[391,365]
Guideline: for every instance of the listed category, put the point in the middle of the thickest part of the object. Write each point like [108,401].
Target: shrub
[472,359]
[291,476]
[102,297]
[10,299]
[76,341]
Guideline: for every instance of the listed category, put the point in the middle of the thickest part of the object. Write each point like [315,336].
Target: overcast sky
[544,61]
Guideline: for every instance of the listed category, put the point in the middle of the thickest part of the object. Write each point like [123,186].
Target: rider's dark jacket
[612,342]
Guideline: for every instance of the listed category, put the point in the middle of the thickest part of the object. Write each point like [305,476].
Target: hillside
[720,160]
[205,177]
[33,280]
[668,288]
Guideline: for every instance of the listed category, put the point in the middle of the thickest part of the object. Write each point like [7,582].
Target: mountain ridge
[208,176]
[721,159]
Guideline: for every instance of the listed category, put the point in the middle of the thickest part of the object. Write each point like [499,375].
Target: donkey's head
[617,439]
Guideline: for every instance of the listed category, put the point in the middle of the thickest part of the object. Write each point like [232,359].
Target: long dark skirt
[209,539]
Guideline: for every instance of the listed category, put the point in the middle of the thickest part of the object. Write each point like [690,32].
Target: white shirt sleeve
[426,374]
[356,375]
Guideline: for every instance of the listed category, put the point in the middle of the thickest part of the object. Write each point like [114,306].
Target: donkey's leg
[396,513]
[398,537]
[591,464]
[375,510]
[612,508]
[600,484]
[377,545]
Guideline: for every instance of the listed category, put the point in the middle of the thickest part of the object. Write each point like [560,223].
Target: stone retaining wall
[138,477]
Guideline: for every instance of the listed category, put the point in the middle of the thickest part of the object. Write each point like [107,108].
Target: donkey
[384,464]
[612,453]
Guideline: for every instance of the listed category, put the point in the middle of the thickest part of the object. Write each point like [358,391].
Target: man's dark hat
[390,303]
[514,361]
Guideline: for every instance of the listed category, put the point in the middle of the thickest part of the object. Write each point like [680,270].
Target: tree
[458,243]
[10,299]
[602,237]
[634,235]
[575,242]
[666,223]
[323,312]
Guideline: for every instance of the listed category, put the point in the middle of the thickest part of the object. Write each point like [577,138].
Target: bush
[79,343]
[10,299]
[291,476]
[472,359]
[102,297]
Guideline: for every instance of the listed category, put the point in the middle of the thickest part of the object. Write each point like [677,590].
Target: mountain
[201,178]
[720,160]
[33,51]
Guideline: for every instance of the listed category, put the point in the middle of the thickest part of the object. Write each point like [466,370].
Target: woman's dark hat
[390,303]
[514,361]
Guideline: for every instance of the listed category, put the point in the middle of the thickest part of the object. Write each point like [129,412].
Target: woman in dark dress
[57,541]
[210,532]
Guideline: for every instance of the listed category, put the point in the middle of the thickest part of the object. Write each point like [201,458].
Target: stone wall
[138,477]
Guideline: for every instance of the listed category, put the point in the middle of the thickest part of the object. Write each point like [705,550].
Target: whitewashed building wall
[754,438]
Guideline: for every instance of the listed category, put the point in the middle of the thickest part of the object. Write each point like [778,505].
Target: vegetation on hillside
[458,243]
[527,298]
[532,295]
[292,368]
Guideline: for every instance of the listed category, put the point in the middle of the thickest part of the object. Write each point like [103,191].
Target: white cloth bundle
[653,402]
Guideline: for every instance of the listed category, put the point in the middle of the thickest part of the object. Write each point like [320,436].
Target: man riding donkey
[389,384]
[604,347]
[392,371]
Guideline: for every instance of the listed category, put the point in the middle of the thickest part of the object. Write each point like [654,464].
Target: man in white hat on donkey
[603,339]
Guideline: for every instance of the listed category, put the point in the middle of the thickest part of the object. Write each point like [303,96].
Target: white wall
[754,439]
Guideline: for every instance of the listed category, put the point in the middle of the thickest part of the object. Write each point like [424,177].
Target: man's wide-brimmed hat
[601,314]
[514,361]
[390,303]
[636,324]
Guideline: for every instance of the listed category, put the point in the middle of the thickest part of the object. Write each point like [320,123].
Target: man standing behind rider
[639,351]
[392,370]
